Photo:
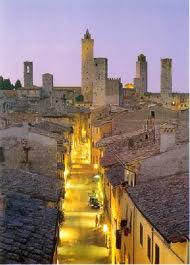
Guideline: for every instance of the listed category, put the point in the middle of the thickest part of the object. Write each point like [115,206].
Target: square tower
[47,83]
[166,76]
[87,70]
[100,77]
[28,74]
[141,74]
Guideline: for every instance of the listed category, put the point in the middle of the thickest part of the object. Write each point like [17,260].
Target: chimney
[167,137]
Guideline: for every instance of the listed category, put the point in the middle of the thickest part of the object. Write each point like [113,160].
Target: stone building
[135,158]
[97,88]
[166,76]
[156,227]
[43,148]
[141,79]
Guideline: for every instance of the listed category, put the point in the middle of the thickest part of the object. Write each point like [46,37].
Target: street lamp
[105,230]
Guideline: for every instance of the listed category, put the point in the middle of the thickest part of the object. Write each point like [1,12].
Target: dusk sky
[49,32]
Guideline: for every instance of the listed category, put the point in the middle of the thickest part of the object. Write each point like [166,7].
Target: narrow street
[80,240]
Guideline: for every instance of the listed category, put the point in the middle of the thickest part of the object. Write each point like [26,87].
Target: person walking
[96,221]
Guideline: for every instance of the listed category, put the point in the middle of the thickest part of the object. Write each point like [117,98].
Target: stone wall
[172,162]
[99,84]
[42,155]
[113,87]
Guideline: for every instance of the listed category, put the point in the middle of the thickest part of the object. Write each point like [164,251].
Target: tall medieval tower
[87,67]
[141,74]
[166,76]
[28,74]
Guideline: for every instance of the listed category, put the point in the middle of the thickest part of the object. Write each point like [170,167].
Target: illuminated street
[80,240]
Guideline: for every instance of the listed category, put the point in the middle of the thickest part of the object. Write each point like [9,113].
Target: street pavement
[80,242]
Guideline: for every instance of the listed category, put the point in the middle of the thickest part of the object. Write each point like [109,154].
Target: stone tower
[140,81]
[47,83]
[28,74]
[87,67]
[166,76]
[100,79]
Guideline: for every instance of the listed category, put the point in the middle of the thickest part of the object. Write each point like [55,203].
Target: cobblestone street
[80,241]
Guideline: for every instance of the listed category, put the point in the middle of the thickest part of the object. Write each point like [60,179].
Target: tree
[7,84]
[1,83]
[18,84]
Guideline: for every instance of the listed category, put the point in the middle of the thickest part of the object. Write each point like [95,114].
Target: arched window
[28,69]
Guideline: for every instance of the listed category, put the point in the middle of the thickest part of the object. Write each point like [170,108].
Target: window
[141,235]
[130,224]
[152,114]
[157,254]
[146,137]
[149,247]
[2,157]
[28,69]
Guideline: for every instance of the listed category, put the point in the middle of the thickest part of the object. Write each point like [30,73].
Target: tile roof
[52,127]
[100,122]
[164,202]
[117,138]
[29,220]
[113,156]
[33,184]
[115,175]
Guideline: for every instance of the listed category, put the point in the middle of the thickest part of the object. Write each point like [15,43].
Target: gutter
[133,235]
[152,250]
[187,240]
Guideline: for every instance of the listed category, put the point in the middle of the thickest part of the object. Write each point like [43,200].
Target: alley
[80,240]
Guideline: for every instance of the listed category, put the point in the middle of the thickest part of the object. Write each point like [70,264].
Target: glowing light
[105,228]
[68,185]
[66,173]
[97,176]
[96,166]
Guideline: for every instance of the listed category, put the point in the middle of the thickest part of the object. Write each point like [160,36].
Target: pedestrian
[96,221]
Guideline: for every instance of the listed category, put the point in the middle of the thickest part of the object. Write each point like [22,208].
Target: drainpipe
[152,250]
[133,234]
[187,240]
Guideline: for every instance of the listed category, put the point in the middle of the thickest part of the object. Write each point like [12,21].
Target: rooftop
[115,175]
[165,204]
[33,184]
[119,137]
[126,156]
[29,219]
[53,127]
